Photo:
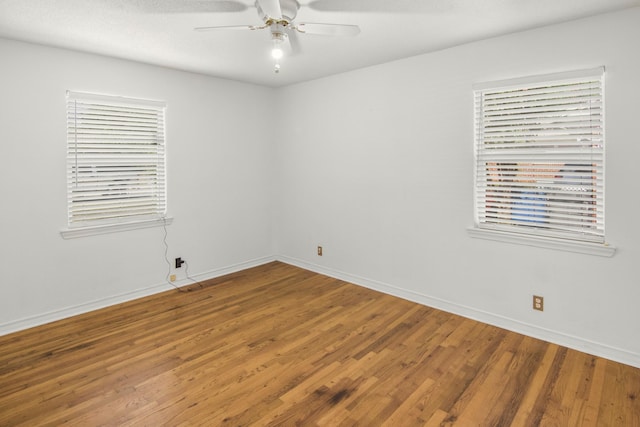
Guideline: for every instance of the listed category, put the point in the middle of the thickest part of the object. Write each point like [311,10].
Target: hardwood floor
[277,345]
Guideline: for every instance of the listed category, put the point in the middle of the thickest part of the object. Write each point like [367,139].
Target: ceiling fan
[278,16]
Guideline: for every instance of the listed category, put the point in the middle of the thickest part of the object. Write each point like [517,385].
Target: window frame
[116,153]
[509,224]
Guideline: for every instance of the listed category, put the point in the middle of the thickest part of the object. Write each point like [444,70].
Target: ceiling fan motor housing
[277,32]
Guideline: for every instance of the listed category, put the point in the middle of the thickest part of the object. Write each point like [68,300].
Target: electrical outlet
[172,278]
[319,250]
[538,303]
[179,262]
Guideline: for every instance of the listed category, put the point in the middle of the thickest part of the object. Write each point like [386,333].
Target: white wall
[377,166]
[220,163]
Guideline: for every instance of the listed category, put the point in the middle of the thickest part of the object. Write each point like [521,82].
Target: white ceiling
[161,31]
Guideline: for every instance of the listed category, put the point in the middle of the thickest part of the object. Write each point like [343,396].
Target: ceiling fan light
[276,52]
[276,49]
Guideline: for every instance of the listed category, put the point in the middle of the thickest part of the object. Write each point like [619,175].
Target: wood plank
[525,409]
[279,345]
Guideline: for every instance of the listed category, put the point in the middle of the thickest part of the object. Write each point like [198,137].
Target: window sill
[72,233]
[599,249]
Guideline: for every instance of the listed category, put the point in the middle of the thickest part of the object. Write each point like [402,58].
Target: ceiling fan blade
[327,29]
[271,8]
[230,27]
[293,43]
[191,6]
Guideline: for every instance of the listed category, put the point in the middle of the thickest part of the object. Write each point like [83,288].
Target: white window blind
[115,159]
[539,150]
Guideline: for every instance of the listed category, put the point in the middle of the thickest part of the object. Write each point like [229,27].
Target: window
[539,156]
[115,160]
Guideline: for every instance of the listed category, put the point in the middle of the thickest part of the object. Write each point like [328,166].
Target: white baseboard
[41,319]
[570,341]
